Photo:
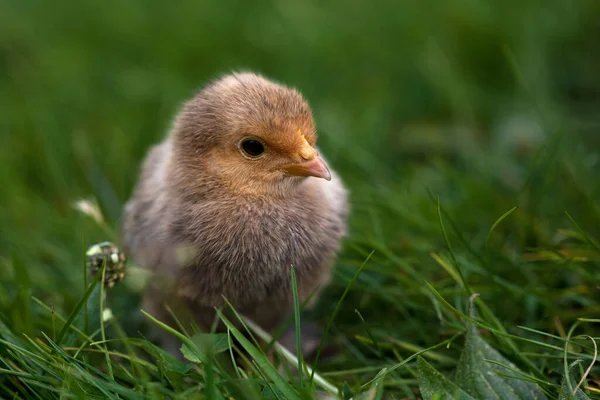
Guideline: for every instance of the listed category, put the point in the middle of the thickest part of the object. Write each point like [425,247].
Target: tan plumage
[211,221]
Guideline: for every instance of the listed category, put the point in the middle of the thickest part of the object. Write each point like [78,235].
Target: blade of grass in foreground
[285,353]
[261,360]
[452,255]
[297,323]
[102,332]
[386,371]
[75,312]
[288,322]
[335,311]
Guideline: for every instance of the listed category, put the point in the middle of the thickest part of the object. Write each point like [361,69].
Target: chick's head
[248,133]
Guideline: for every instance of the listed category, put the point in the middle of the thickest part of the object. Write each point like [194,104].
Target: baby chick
[235,195]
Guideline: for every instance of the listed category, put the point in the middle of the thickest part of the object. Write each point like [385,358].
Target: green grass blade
[262,361]
[489,235]
[78,307]
[452,255]
[589,240]
[102,332]
[297,325]
[336,310]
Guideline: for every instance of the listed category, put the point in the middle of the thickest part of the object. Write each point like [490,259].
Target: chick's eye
[253,147]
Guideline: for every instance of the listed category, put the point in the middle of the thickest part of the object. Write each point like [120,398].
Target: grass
[467,133]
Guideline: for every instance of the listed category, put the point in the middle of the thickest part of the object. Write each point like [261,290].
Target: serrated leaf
[165,360]
[482,380]
[434,385]
[206,345]
[566,392]
[168,366]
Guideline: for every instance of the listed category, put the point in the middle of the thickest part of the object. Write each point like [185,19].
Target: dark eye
[252,147]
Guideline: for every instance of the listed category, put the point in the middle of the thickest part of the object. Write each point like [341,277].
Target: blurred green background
[490,104]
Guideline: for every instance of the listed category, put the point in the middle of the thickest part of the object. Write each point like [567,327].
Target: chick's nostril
[308,153]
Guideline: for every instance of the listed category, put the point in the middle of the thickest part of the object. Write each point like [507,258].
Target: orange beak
[315,167]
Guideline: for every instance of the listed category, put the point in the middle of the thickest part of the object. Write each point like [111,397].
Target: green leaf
[165,361]
[566,392]
[206,345]
[435,385]
[483,379]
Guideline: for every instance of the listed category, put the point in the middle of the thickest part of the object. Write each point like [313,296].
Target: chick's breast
[244,247]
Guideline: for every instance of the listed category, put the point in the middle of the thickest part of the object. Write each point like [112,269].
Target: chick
[235,195]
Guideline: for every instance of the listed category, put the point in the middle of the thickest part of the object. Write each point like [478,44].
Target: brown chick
[235,195]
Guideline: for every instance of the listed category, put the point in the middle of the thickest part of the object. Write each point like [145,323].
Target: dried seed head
[109,253]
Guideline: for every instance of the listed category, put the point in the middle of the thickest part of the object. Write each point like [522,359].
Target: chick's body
[213,219]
